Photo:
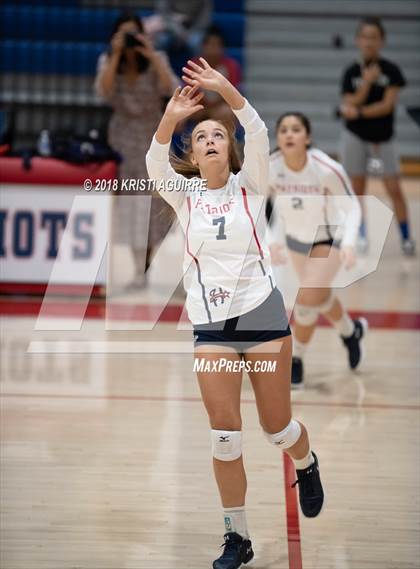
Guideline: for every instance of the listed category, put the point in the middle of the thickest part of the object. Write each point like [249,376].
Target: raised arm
[107,67]
[206,77]
[184,102]
[255,167]
[254,170]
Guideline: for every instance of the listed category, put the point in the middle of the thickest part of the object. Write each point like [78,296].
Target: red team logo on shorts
[221,295]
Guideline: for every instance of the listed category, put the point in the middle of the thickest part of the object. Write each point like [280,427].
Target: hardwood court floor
[106,461]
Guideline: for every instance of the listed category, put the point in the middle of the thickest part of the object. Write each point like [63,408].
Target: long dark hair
[302,118]
[142,61]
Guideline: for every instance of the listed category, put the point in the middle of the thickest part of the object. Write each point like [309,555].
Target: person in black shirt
[370,88]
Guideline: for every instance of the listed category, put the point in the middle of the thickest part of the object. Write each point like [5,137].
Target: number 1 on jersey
[221,234]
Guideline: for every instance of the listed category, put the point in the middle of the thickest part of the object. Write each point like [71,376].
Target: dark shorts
[266,322]
[305,248]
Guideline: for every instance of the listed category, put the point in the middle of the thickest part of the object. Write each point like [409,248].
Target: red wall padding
[52,171]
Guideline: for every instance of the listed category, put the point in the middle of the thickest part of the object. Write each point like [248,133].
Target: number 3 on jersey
[221,234]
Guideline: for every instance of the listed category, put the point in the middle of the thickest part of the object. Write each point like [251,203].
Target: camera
[131,40]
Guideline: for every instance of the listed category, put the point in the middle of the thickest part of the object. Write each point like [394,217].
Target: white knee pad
[287,437]
[226,445]
[305,315]
[327,305]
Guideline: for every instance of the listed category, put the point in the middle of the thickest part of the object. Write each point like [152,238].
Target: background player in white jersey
[320,217]
[236,310]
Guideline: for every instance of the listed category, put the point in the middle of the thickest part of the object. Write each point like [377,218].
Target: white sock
[299,349]
[344,326]
[235,520]
[305,462]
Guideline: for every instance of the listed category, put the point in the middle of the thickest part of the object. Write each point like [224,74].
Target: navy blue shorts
[305,248]
[269,321]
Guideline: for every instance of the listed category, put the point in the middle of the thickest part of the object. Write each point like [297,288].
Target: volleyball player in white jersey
[235,308]
[320,216]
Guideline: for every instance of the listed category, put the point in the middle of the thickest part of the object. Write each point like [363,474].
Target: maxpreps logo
[218,295]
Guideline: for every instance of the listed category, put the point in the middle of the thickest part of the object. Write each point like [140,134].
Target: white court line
[110,347]
[367,366]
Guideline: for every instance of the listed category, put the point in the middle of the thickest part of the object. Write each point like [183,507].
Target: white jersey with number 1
[315,204]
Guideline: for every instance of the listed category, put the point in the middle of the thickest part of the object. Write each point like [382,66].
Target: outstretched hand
[203,76]
[184,103]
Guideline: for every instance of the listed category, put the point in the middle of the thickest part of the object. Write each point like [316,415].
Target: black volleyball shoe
[237,550]
[354,342]
[297,373]
[311,494]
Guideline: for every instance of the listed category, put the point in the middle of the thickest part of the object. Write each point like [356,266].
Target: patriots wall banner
[53,234]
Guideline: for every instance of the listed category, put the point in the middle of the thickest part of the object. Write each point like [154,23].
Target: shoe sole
[322,508]
[248,563]
[365,328]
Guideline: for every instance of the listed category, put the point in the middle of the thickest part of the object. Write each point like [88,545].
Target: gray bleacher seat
[292,62]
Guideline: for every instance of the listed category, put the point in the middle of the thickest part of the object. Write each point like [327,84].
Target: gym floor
[106,459]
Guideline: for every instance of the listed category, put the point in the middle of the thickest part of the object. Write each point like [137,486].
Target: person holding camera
[134,79]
